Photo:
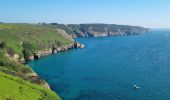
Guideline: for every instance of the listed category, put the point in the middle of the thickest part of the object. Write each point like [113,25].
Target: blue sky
[147,13]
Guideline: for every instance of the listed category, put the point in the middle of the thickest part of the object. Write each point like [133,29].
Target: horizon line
[81,23]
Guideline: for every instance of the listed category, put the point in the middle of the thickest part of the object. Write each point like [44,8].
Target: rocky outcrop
[12,55]
[73,35]
[82,46]
[36,79]
[31,57]
[48,51]
[78,45]
[64,34]
[22,60]
[102,30]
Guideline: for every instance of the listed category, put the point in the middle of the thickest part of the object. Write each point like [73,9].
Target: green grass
[28,38]
[12,88]
[38,36]
[14,39]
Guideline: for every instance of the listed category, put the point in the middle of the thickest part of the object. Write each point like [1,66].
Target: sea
[135,67]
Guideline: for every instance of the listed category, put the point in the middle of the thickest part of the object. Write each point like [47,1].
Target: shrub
[3,44]
[28,49]
[27,52]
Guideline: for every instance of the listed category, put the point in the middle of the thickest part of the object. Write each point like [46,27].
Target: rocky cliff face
[22,42]
[99,30]
[48,51]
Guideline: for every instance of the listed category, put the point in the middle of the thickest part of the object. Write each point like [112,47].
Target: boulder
[78,45]
[16,57]
[82,46]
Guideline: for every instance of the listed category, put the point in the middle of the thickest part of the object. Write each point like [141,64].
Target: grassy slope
[38,36]
[13,88]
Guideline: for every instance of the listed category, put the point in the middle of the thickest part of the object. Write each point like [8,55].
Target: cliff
[95,30]
[22,42]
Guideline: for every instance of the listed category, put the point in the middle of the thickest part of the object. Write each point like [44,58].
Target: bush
[3,44]
[28,49]
[27,52]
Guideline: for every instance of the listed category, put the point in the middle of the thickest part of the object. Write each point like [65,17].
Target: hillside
[23,42]
[95,30]
[13,88]
[28,38]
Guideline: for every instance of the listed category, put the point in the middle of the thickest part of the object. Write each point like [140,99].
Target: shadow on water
[61,87]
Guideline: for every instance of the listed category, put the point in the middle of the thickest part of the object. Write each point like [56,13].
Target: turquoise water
[108,68]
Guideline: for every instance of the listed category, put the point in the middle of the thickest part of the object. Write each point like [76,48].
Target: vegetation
[25,39]
[31,37]
[13,88]
[15,68]
[16,42]
[67,28]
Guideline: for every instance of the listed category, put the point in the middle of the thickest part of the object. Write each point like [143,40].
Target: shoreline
[38,55]
[54,50]
[47,52]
